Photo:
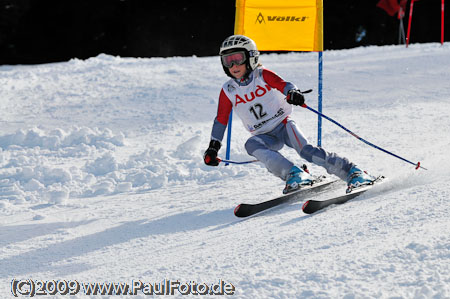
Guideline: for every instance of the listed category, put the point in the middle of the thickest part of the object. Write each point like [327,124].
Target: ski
[245,210]
[312,206]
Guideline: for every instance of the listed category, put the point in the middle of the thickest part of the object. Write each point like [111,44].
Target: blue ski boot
[356,178]
[296,178]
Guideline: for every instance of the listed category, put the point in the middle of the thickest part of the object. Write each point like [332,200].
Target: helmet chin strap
[244,79]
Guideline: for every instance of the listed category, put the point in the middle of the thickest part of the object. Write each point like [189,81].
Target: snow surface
[102,178]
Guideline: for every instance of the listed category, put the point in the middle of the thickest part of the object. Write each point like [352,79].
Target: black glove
[295,97]
[210,156]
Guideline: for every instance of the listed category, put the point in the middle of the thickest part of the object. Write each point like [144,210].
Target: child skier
[263,101]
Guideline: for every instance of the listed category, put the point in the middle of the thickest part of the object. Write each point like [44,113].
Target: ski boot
[296,178]
[357,178]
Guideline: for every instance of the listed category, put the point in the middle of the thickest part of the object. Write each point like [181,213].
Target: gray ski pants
[265,147]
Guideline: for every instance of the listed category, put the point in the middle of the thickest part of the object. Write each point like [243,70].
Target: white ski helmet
[236,43]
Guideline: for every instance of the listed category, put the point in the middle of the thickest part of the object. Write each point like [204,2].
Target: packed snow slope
[102,178]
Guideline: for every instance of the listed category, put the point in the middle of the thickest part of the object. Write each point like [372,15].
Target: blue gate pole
[319,125]
[227,153]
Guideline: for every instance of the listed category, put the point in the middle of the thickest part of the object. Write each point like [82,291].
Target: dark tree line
[40,31]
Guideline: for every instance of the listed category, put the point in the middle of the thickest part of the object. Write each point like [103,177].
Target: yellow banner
[286,25]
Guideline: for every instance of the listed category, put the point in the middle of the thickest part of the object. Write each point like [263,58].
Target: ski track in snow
[102,179]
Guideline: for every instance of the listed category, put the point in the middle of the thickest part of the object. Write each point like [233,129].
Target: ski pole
[236,162]
[363,140]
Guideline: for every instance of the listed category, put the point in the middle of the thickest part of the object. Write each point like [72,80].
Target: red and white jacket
[259,101]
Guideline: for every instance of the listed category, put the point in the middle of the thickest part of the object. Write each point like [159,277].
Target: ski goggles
[236,58]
